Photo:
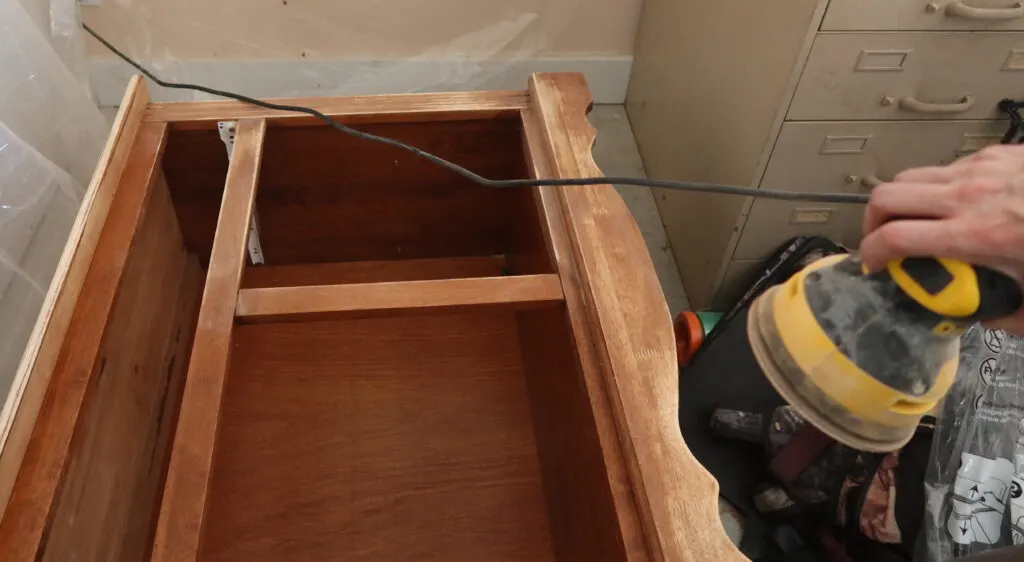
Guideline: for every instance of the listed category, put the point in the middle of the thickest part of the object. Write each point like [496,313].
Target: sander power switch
[956,290]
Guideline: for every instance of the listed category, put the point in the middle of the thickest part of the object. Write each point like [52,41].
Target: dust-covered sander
[865,356]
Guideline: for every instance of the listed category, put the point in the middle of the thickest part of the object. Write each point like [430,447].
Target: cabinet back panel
[377,439]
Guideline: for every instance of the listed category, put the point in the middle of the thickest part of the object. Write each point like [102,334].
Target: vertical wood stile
[178,536]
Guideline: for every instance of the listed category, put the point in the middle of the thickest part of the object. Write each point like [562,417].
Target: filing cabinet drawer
[848,157]
[772,222]
[920,76]
[853,156]
[914,15]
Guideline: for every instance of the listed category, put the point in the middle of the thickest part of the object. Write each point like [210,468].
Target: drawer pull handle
[960,10]
[871,181]
[910,103]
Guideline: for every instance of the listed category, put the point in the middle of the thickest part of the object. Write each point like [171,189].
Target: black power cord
[665,184]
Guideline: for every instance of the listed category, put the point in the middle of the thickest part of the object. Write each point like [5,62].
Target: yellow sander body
[865,356]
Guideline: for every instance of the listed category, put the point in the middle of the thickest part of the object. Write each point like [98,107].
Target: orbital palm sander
[864,356]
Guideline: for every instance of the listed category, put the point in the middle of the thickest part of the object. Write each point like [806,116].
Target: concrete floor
[616,154]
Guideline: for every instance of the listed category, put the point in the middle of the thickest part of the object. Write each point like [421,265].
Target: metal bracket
[227,136]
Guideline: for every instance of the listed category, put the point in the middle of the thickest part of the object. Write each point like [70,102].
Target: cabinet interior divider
[185,492]
[330,302]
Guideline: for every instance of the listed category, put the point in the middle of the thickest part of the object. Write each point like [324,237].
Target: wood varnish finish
[399,108]
[677,499]
[423,369]
[333,302]
[405,439]
[188,477]
[380,271]
[319,186]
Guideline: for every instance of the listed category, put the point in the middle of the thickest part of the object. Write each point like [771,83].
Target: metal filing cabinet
[807,95]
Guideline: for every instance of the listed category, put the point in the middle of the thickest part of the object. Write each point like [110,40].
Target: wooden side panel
[108,502]
[24,526]
[184,501]
[591,507]
[676,496]
[33,376]
[332,302]
[329,197]
[581,507]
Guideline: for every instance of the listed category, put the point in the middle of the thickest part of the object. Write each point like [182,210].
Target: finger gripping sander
[863,356]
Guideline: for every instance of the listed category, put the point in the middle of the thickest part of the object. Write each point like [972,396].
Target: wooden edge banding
[33,375]
[372,299]
[23,530]
[676,496]
[178,535]
[355,109]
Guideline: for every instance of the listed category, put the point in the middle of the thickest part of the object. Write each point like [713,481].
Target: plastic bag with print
[973,500]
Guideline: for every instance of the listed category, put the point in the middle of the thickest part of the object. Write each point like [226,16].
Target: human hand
[971,210]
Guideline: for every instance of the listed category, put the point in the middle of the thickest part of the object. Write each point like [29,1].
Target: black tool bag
[803,496]
[855,505]
[789,258]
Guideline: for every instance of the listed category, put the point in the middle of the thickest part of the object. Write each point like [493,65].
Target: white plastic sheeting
[281,48]
[51,134]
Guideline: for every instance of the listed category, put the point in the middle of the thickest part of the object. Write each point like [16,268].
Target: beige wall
[367,29]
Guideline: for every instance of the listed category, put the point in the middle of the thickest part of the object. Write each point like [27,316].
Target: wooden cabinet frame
[111,437]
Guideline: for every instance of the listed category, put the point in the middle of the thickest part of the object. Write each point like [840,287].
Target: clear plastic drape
[297,48]
[973,484]
[51,134]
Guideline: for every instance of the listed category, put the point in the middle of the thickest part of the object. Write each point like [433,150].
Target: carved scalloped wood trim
[677,498]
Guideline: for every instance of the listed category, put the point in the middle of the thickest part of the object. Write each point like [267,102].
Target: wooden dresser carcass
[421,368]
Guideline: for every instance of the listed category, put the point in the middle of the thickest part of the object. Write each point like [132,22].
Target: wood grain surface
[184,501]
[322,302]
[464,434]
[34,373]
[676,497]
[328,197]
[110,496]
[48,456]
[379,439]
[341,273]
[581,507]
[405,108]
